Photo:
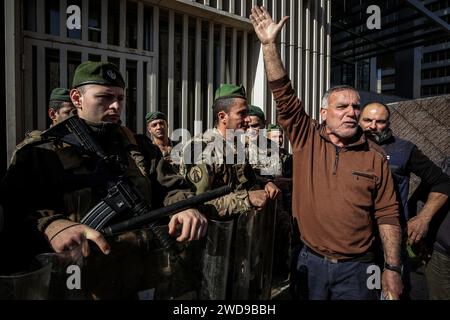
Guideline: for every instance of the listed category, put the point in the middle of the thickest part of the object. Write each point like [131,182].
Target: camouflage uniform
[210,171]
[267,165]
[57,181]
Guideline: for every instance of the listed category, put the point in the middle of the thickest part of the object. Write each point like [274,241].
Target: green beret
[230,91]
[103,73]
[273,127]
[60,94]
[155,115]
[256,111]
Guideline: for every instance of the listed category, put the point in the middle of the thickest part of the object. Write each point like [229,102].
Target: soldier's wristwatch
[398,269]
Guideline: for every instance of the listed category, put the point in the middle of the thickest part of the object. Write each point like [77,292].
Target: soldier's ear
[52,114]
[75,96]
[222,115]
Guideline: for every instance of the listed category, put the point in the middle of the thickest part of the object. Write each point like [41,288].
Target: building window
[163,59]
[217,57]
[239,58]
[75,33]
[95,20]
[113,22]
[33,111]
[148,29]
[73,60]
[52,17]
[226,5]
[94,57]
[178,63]
[191,72]
[228,65]
[30,15]
[131,94]
[51,72]
[204,74]
[145,99]
[248,7]
[131,39]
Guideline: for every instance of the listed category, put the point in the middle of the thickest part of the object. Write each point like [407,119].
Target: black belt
[364,257]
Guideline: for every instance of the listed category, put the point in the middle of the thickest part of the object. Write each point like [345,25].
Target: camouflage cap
[273,127]
[103,73]
[60,94]
[155,115]
[256,111]
[230,91]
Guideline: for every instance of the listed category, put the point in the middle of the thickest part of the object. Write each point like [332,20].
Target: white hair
[327,94]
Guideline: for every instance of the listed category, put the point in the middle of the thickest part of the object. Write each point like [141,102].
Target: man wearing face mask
[46,171]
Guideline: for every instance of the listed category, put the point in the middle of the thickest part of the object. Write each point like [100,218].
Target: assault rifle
[123,203]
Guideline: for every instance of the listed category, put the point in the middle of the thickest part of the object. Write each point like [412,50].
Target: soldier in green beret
[257,121]
[158,130]
[60,106]
[212,168]
[64,183]
[261,148]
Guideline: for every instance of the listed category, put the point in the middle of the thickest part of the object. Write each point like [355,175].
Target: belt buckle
[332,260]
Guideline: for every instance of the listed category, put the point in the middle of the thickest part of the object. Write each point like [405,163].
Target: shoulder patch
[32,138]
[195,174]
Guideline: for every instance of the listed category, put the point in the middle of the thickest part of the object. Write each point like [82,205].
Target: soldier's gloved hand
[66,235]
[272,190]
[258,199]
[194,225]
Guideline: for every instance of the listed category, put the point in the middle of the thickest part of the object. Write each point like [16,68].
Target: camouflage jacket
[59,181]
[208,161]
[265,158]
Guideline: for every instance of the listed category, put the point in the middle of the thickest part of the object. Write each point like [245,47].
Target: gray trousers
[438,276]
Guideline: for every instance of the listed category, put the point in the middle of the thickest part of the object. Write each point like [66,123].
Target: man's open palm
[265,28]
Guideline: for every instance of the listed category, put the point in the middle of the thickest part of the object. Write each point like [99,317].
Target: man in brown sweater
[342,184]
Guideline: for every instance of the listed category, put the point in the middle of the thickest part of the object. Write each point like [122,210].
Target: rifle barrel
[167,210]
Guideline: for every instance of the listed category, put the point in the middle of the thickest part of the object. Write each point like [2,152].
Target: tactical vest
[398,153]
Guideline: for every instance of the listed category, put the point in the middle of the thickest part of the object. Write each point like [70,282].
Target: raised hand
[265,28]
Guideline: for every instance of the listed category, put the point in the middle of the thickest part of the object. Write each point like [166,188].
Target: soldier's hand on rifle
[258,199]
[194,225]
[265,28]
[272,190]
[66,235]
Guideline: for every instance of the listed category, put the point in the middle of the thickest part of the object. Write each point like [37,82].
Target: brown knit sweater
[338,192]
